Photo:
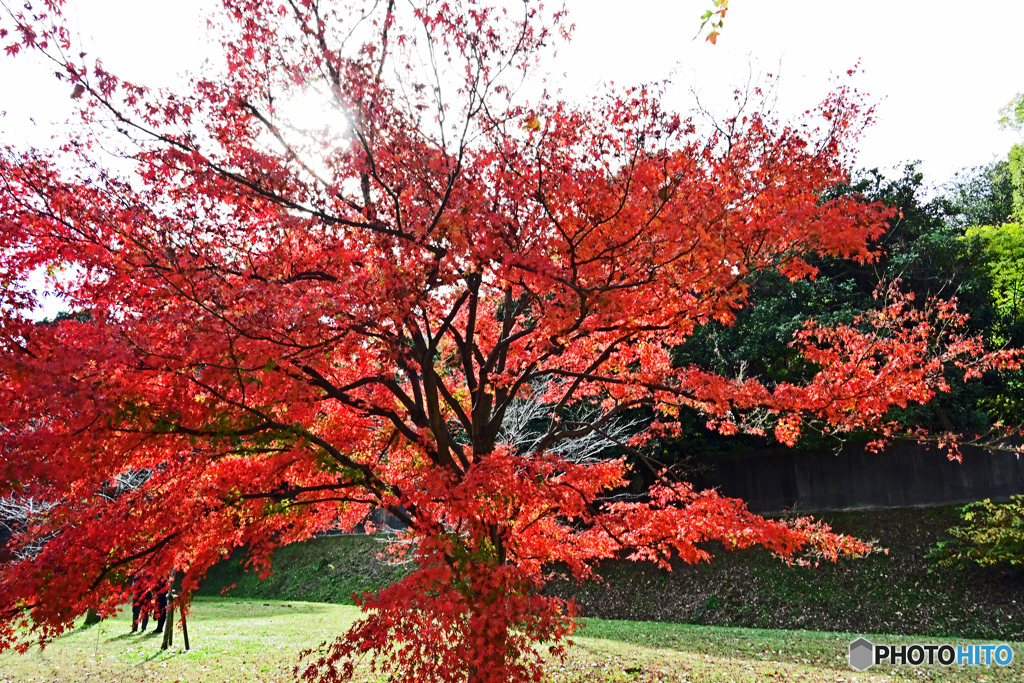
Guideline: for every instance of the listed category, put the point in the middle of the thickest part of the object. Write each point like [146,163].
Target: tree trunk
[92,617]
[169,624]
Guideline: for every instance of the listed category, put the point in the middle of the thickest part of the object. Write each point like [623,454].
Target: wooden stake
[184,627]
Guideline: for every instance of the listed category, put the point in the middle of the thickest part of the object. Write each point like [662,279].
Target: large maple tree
[281,328]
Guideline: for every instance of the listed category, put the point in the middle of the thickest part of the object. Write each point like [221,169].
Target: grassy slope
[896,593]
[329,569]
[899,592]
[237,640]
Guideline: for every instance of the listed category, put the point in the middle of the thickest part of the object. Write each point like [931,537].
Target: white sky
[938,71]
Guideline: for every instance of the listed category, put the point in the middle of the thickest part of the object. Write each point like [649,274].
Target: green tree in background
[1004,249]
[924,248]
[989,203]
[979,195]
[1012,118]
[992,533]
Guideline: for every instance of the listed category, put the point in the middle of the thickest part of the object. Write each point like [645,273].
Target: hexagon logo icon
[862,654]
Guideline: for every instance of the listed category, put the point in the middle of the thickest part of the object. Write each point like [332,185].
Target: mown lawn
[247,640]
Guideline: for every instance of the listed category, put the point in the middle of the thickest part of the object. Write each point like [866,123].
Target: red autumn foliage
[286,328]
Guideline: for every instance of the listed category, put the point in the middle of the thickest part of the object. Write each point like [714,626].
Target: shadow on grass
[123,636]
[157,654]
[85,627]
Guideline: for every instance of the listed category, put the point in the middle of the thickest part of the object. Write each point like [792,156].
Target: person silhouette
[160,605]
[142,603]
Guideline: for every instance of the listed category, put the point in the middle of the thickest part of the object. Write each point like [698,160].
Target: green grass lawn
[259,640]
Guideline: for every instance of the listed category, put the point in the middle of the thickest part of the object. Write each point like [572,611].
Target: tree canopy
[286,328]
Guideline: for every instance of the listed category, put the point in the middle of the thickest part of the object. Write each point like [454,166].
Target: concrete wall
[905,475]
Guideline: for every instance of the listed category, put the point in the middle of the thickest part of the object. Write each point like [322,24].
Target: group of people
[149,598]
